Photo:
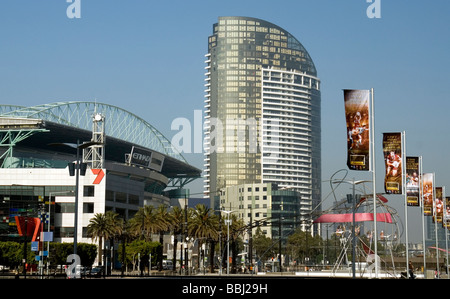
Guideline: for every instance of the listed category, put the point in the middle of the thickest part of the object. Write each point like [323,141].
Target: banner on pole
[446,220]
[412,181]
[438,206]
[428,195]
[392,151]
[358,125]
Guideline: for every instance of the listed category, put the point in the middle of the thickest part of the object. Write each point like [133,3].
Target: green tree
[139,251]
[145,223]
[102,227]
[124,235]
[60,251]
[263,246]
[237,229]
[304,247]
[164,220]
[11,254]
[203,225]
[177,220]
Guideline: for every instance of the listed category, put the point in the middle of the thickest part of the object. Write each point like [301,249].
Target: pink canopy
[337,218]
[438,248]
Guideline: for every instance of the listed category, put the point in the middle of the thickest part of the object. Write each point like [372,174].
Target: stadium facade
[129,164]
[262,112]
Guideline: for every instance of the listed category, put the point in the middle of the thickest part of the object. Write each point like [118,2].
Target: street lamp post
[280,234]
[49,219]
[228,221]
[77,146]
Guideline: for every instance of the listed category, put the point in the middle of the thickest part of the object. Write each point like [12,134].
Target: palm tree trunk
[233,256]
[123,257]
[211,256]
[100,250]
[161,251]
[111,255]
[198,254]
[175,246]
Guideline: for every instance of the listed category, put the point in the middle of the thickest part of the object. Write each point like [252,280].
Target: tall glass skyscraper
[262,111]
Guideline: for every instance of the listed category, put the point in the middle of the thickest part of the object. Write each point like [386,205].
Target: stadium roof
[122,128]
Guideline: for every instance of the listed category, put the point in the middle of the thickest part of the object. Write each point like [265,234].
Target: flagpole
[435,227]
[406,200]
[445,229]
[423,217]
[375,236]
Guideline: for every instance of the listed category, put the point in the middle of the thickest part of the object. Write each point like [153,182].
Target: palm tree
[203,226]
[164,222]
[145,223]
[237,229]
[101,227]
[123,234]
[177,220]
[116,226]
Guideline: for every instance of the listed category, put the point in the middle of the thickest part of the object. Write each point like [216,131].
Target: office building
[262,111]
[264,206]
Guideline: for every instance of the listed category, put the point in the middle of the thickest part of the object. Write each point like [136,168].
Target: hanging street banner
[392,151]
[428,194]
[412,181]
[438,209]
[358,125]
[446,220]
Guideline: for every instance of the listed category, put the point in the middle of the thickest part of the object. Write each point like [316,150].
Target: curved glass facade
[262,110]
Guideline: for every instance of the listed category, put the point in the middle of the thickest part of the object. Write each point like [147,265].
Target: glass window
[121,197]
[64,232]
[88,207]
[64,207]
[109,195]
[88,191]
[133,199]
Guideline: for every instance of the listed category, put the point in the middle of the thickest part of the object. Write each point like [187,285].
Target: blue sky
[148,57]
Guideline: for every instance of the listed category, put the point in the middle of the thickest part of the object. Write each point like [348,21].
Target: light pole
[280,236]
[77,169]
[228,221]
[49,218]
[353,183]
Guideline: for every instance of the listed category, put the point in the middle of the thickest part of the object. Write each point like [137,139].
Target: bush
[60,251]
[143,249]
[11,253]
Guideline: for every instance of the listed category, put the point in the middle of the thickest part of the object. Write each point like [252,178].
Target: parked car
[97,271]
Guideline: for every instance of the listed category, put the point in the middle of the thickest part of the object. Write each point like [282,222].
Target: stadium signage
[145,158]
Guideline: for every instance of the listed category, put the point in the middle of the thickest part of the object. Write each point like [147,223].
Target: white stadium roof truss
[119,123]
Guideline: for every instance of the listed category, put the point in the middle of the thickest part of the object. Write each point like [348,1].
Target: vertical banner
[392,151]
[428,196]
[446,220]
[438,206]
[357,117]
[412,181]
